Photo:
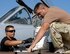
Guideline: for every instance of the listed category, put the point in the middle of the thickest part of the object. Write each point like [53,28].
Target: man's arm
[13,42]
[39,35]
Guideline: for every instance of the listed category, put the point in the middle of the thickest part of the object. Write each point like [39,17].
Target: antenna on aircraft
[20,2]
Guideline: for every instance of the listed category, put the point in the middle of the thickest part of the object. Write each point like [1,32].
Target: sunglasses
[10,30]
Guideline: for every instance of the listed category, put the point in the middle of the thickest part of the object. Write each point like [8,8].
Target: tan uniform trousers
[60,35]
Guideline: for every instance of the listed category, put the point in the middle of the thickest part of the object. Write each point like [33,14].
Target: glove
[29,40]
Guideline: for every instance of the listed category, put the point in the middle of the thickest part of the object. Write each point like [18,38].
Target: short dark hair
[37,6]
[9,26]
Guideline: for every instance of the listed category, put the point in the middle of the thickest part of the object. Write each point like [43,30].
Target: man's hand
[29,49]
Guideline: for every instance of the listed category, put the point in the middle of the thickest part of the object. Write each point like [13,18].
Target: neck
[9,38]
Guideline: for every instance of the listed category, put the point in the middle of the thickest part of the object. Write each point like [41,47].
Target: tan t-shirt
[55,14]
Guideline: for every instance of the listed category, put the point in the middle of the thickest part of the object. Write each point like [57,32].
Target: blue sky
[64,4]
[6,5]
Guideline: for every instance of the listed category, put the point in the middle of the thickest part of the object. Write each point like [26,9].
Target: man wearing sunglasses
[8,43]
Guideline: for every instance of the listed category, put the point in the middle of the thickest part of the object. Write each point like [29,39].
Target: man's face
[10,32]
[41,11]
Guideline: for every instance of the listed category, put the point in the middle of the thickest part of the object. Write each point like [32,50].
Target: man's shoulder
[4,39]
[54,9]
